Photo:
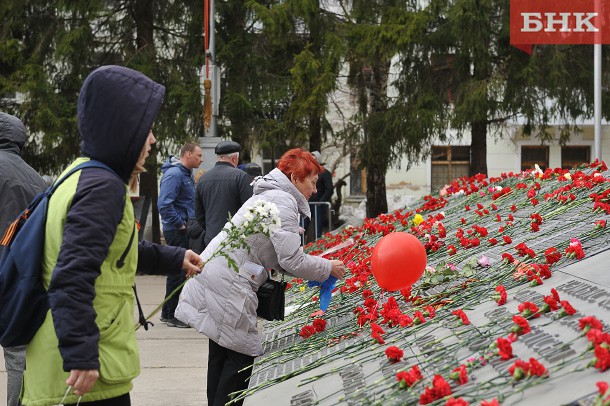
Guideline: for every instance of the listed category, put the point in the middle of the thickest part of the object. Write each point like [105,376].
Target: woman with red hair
[301,168]
[221,303]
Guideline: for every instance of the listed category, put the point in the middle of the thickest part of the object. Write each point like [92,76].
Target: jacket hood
[116,109]
[276,180]
[12,133]
[171,161]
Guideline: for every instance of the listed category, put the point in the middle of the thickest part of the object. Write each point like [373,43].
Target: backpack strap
[87,164]
[141,318]
[16,224]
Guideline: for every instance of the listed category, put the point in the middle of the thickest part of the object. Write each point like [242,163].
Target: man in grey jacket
[19,183]
[221,191]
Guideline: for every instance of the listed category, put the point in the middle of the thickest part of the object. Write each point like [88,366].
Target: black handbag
[271,299]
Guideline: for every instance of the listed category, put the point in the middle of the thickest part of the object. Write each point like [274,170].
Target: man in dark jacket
[176,205]
[324,192]
[19,183]
[221,191]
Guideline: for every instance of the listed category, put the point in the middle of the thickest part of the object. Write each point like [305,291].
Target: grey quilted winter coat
[221,303]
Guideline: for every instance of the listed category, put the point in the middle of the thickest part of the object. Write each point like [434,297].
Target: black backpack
[24,300]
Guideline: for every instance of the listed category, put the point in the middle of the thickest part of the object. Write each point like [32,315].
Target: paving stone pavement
[173,360]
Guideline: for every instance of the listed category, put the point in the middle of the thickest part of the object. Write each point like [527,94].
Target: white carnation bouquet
[261,218]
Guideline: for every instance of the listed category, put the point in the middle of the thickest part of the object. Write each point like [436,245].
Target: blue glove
[326,290]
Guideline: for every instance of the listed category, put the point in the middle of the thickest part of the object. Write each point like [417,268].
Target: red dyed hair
[299,163]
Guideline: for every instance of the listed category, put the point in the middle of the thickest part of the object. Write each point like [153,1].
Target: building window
[574,156]
[534,154]
[449,163]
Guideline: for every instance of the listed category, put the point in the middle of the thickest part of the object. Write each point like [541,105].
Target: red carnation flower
[505,349]
[406,293]
[376,332]
[409,378]
[536,368]
[319,325]
[456,402]
[519,369]
[521,325]
[439,389]
[500,295]
[543,270]
[589,322]
[460,313]
[575,249]
[603,387]
[307,331]
[566,309]
[550,304]
[535,279]
[509,258]
[552,255]
[460,374]
[555,294]
[528,309]
[597,337]
[394,354]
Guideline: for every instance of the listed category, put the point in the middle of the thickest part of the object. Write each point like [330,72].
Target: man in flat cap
[221,191]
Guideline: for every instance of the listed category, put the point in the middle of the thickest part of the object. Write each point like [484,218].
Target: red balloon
[398,261]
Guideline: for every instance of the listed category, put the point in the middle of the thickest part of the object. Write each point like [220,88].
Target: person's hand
[338,269]
[82,380]
[192,263]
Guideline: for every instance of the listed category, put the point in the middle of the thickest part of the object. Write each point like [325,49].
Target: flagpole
[213,70]
[597,98]
[597,79]
[209,88]
[210,73]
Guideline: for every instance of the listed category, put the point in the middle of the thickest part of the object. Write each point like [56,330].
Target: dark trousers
[177,238]
[123,400]
[223,373]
